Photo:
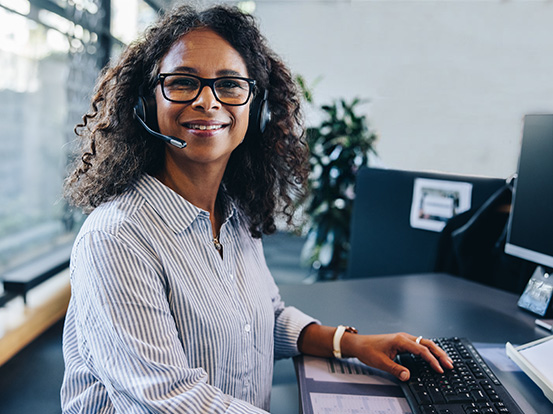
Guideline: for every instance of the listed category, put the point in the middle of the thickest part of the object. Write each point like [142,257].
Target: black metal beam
[19,281]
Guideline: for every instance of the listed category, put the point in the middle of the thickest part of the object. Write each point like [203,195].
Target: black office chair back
[382,240]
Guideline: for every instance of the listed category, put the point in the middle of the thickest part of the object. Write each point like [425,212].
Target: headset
[145,112]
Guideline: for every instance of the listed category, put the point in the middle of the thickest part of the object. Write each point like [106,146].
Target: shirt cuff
[288,327]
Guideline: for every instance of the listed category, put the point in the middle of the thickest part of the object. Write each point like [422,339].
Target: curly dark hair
[265,175]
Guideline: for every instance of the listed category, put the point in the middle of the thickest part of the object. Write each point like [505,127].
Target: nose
[206,99]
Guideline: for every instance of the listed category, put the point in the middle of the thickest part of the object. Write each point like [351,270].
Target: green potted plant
[339,146]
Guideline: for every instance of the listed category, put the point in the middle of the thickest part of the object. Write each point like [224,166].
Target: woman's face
[211,129]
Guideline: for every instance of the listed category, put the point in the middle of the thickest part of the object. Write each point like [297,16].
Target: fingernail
[404,376]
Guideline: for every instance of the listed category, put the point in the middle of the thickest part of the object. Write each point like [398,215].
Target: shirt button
[247,328]
[231,276]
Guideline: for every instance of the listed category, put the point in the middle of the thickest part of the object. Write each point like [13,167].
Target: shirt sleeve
[127,336]
[289,322]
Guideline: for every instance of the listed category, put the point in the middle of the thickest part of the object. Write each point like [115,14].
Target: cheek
[166,111]
[242,119]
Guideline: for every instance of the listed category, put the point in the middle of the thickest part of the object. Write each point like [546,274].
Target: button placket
[247,335]
[223,265]
[229,262]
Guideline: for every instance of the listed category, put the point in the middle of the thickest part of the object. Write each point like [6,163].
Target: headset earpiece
[146,110]
[260,114]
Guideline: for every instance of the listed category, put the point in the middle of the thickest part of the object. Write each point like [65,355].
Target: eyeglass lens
[228,90]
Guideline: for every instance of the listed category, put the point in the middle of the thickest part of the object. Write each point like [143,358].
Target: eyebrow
[222,72]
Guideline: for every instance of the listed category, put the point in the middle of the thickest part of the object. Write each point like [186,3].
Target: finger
[397,370]
[422,349]
[438,352]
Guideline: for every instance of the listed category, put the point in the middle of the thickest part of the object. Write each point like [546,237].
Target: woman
[173,308]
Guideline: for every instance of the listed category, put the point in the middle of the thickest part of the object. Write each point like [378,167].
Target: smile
[204,127]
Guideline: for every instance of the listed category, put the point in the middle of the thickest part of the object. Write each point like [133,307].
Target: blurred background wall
[448,81]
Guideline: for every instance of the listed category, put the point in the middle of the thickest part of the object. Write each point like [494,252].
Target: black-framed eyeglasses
[184,88]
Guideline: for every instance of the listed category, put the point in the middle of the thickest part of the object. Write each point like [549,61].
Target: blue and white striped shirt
[158,322]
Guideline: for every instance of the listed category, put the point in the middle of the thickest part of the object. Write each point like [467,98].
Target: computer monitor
[530,228]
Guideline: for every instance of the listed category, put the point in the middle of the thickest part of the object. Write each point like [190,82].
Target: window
[51,52]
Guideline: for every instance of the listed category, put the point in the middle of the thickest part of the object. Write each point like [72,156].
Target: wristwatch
[340,330]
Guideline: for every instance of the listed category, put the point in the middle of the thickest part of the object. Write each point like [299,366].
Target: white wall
[448,81]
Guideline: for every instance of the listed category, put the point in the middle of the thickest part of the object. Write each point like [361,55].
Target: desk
[431,305]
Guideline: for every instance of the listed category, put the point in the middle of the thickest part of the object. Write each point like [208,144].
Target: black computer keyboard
[469,388]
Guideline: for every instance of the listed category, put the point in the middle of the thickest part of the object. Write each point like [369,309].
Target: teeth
[205,127]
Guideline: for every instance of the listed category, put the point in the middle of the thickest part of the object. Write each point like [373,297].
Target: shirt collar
[177,212]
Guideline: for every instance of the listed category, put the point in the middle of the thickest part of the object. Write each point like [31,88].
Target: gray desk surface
[432,305]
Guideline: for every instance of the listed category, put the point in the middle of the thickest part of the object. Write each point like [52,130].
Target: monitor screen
[530,230]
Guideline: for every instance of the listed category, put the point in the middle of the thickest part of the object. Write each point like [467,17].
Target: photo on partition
[436,201]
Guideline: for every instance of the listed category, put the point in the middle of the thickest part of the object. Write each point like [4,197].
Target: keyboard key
[428,409]
[478,396]
[436,395]
[423,397]
[459,398]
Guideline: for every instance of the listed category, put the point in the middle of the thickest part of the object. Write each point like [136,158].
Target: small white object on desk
[545,324]
[534,358]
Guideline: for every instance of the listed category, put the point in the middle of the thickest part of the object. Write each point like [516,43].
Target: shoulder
[115,236]
[115,214]
[125,219]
